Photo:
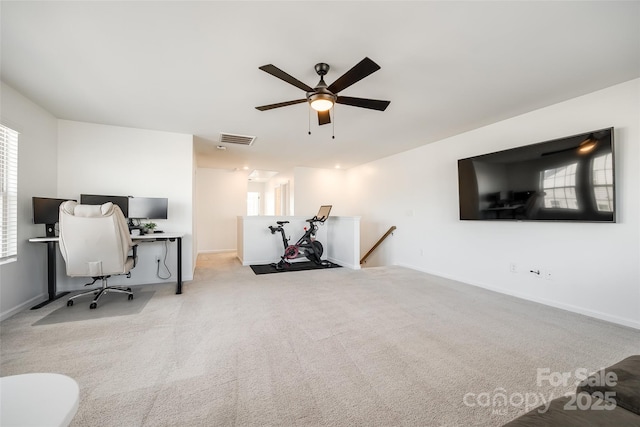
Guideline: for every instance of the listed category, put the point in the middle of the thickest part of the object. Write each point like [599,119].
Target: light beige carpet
[381,346]
[109,305]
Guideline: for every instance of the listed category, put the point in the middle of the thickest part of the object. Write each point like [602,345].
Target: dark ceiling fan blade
[280,104]
[361,70]
[277,72]
[372,104]
[324,118]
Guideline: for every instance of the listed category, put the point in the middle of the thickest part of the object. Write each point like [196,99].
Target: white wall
[316,187]
[221,196]
[23,283]
[194,211]
[343,241]
[110,160]
[594,267]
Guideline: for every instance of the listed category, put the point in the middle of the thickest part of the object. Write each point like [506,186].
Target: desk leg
[179,264]
[51,276]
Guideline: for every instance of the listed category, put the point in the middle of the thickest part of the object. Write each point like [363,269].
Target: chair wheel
[93,305]
[128,289]
[69,303]
[130,297]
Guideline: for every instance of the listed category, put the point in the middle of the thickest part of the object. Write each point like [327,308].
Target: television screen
[148,207]
[567,179]
[95,199]
[46,211]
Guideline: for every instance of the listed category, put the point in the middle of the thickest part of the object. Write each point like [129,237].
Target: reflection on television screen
[568,179]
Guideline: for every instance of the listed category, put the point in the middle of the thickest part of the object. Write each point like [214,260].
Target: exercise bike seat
[282,222]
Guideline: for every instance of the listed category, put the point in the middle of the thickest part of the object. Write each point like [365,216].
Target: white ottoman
[38,400]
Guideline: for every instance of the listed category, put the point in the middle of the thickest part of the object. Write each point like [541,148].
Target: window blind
[8,193]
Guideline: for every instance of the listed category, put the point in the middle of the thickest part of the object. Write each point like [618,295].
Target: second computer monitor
[96,199]
[148,207]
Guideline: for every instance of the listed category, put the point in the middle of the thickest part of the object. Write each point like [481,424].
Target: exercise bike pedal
[281,265]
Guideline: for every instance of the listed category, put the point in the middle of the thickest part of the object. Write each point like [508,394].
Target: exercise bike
[307,246]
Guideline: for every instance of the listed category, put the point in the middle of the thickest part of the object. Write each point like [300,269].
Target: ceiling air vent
[229,138]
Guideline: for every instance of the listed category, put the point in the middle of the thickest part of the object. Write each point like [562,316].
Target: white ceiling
[192,67]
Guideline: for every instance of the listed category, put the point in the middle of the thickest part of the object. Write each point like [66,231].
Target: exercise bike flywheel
[291,252]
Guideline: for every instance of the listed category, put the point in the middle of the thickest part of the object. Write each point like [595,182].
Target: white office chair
[95,242]
[38,399]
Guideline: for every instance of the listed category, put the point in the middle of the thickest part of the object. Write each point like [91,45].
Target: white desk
[51,260]
[40,399]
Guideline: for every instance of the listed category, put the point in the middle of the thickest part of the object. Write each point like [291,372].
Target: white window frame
[8,194]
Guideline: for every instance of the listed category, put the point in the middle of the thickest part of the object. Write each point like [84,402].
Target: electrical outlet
[513,267]
[157,258]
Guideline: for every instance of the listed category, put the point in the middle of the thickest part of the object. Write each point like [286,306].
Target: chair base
[101,291]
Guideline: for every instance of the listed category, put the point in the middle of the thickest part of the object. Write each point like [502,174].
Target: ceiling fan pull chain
[333,123]
[309,119]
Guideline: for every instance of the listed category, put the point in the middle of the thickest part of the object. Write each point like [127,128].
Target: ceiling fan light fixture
[321,101]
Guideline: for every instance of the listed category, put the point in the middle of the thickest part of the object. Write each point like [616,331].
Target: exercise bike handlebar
[280,227]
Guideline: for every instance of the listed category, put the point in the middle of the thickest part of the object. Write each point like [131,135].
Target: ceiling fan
[322,97]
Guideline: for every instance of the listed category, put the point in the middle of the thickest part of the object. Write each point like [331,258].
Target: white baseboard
[567,307]
[215,251]
[33,301]
[344,263]
[258,262]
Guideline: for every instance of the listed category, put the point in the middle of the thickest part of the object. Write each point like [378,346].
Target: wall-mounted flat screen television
[566,179]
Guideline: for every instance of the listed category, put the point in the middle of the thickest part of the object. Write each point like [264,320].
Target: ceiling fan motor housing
[322,69]
[320,92]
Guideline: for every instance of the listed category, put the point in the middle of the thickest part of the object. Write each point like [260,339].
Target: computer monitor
[46,211]
[96,199]
[148,207]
